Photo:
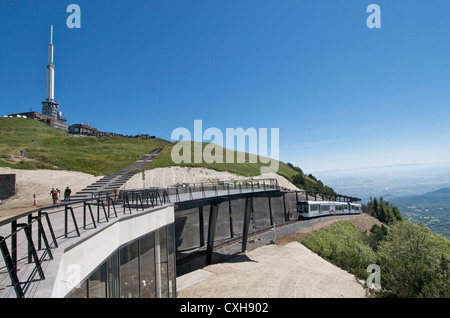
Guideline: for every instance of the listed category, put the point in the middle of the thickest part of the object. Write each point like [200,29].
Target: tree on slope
[382,210]
[414,262]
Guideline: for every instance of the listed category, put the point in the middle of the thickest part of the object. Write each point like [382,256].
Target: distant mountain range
[388,181]
[420,191]
[441,195]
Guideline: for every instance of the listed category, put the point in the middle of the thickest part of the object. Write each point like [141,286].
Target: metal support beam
[270,210]
[231,219]
[286,215]
[247,214]
[214,209]
[201,224]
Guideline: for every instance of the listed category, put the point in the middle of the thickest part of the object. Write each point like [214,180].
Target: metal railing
[324,196]
[27,240]
[198,190]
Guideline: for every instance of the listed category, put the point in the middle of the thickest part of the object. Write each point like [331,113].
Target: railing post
[30,229]
[66,221]
[32,250]
[11,266]
[91,214]
[113,205]
[44,237]
[100,201]
[14,242]
[49,224]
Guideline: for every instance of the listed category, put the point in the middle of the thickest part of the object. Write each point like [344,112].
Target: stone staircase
[117,179]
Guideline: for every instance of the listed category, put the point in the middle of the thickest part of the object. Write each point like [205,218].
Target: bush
[414,262]
[379,234]
[344,246]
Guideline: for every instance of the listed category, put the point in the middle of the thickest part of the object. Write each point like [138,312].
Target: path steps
[117,179]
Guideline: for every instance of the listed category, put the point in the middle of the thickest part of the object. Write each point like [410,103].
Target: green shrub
[344,246]
[414,262]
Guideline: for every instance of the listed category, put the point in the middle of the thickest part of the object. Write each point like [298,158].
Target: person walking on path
[67,193]
[54,195]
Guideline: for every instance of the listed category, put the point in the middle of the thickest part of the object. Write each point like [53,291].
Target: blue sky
[341,94]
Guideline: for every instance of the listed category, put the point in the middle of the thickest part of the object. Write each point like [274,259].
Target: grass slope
[343,245]
[50,148]
[250,168]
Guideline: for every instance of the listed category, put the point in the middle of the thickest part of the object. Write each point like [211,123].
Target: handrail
[40,243]
[25,253]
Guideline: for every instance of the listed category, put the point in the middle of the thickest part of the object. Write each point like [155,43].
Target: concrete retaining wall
[7,185]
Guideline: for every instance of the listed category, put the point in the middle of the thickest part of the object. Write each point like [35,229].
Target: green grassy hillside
[250,168]
[50,148]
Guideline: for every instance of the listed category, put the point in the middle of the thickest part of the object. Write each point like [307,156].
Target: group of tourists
[56,193]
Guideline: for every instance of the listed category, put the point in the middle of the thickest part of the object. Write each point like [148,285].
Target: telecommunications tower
[49,107]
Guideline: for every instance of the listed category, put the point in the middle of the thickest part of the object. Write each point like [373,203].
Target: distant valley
[432,208]
[421,191]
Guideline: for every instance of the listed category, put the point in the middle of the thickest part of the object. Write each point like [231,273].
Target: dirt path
[39,183]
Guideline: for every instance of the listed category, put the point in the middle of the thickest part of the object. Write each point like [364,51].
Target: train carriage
[310,209]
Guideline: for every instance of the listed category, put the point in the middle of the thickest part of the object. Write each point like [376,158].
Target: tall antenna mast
[49,106]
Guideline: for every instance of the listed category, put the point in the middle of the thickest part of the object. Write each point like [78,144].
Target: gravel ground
[275,265]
